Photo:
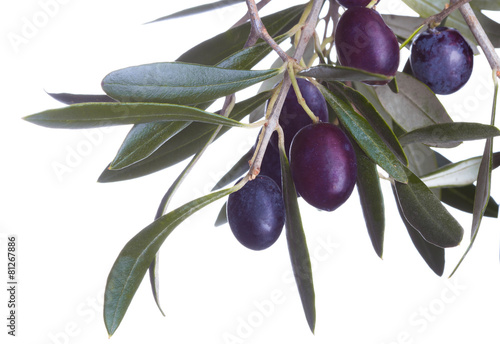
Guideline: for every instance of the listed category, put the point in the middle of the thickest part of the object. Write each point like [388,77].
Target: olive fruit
[442,59]
[256,213]
[323,165]
[293,117]
[354,3]
[364,41]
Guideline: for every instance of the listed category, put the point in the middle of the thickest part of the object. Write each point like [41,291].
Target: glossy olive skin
[323,165]
[293,116]
[354,3]
[256,213]
[442,59]
[364,41]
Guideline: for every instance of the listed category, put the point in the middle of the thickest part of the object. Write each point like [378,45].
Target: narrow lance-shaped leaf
[449,135]
[135,258]
[198,9]
[222,217]
[143,139]
[92,115]
[426,214]
[341,73]
[456,174]
[70,98]
[433,255]
[371,199]
[182,145]
[370,113]
[415,105]
[297,245]
[462,197]
[215,49]
[179,83]
[483,182]
[365,136]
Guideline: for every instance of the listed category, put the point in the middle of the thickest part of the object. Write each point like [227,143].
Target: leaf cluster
[395,129]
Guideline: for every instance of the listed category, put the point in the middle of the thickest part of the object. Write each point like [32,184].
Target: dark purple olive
[256,213]
[354,3]
[442,59]
[323,165]
[364,41]
[293,116]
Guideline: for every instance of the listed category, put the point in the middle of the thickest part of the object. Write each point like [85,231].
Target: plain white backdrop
[70,228]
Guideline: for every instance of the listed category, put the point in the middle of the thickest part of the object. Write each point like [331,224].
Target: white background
[70,228]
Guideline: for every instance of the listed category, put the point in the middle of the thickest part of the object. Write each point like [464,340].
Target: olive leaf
[432,254]
[239,168]
[341,73]
[449,135]
[426,214]
[179,83]
[215,49]
[371,199]
[71,98]
[415,105]
[197,10]
[297,245]
[136,256]
[370,113]
[92,115]
[369,141]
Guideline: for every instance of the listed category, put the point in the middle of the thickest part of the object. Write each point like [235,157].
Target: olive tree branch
[307,32]
[245,18]
[258,30]
[437,18]
[481,37]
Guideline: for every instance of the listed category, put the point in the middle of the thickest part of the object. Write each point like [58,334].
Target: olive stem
[481,37]
[409,39]
[300,99]
[307,32]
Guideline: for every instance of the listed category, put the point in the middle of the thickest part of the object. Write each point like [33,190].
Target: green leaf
[365,136]
[222,217]
[143,140]
[371,199]
[368,111]
[236,171]
[449,135]
[491,5]
[426,214]
[179,83]
[214,50]
[462,198]
[415,105]
[402,26]
[135,258]
[297,245]
[456,174]
[155,281]
[432,254]
[71,98]
[91,115]
[341,73]
[181,146]
[198,9]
